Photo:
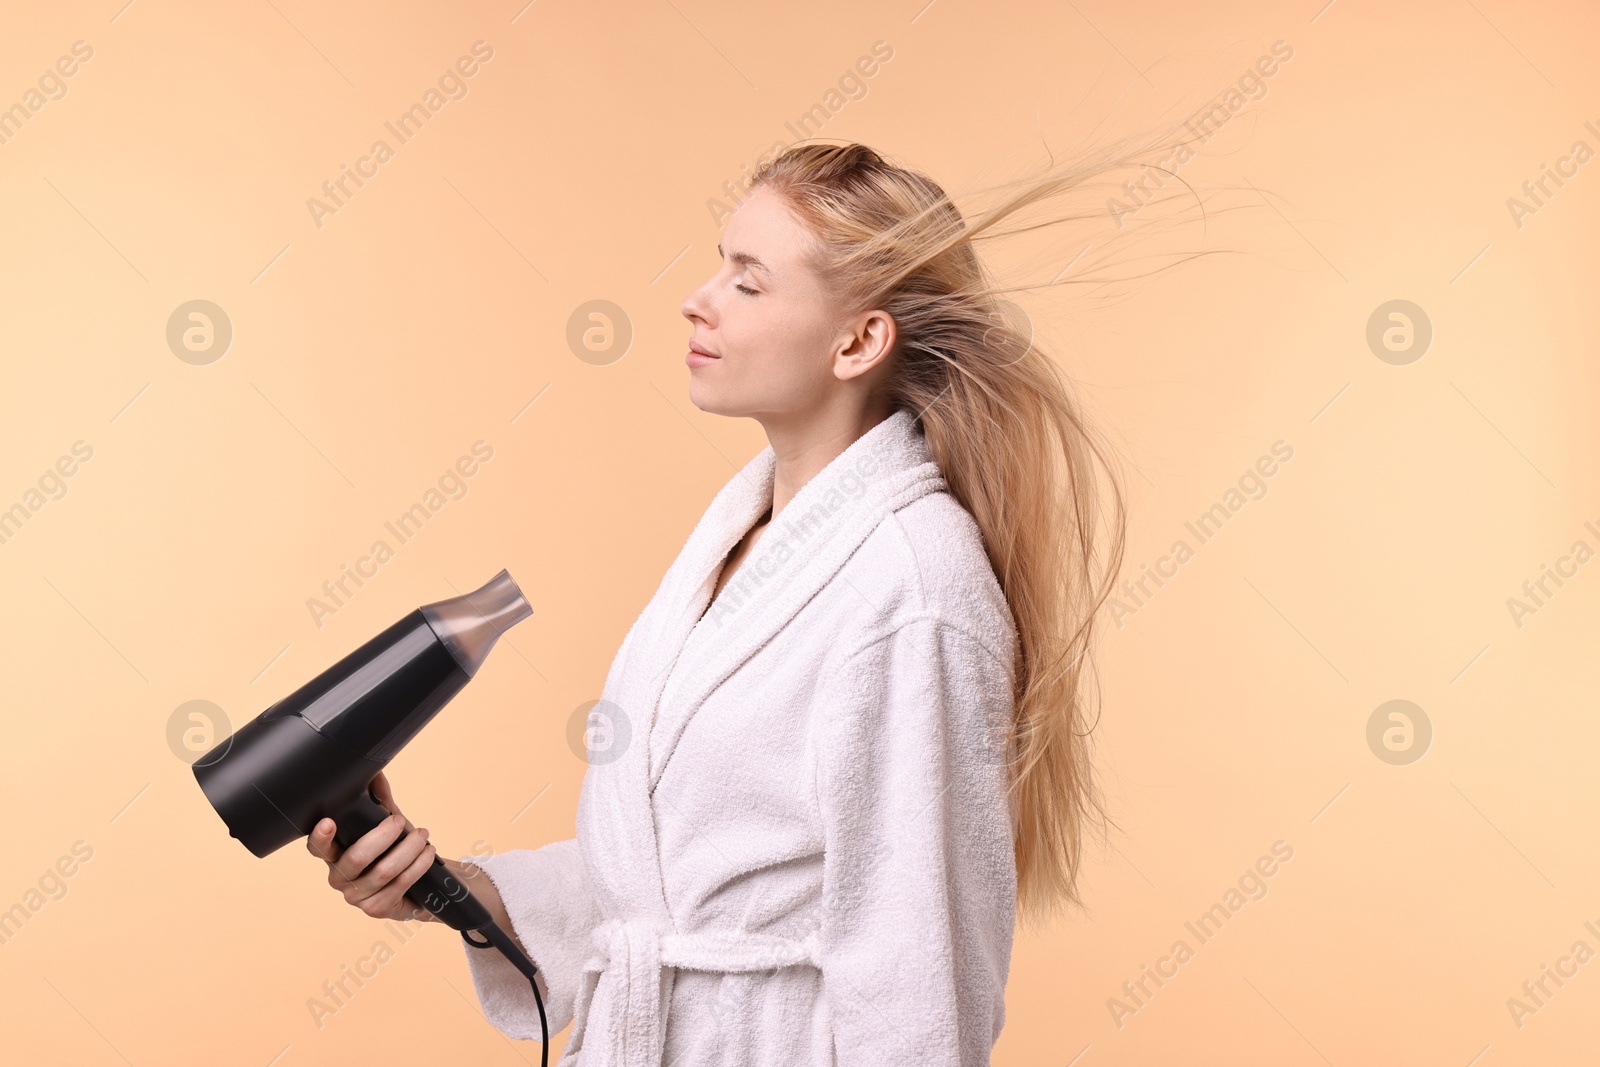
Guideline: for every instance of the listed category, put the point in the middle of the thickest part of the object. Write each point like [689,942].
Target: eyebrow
[745,259]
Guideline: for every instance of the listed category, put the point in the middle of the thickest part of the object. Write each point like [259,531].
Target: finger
[392,863]
[385,794]
[366,853]
[320,842]
[381,789]
[388,898]
[391,899]
[369,846]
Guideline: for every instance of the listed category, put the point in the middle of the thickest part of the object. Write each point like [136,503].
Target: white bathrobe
[793,840]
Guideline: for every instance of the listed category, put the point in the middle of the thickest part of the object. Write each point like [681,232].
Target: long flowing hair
[1003,422]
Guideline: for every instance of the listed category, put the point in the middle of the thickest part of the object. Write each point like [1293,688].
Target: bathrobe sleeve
[919,877]
[553,913]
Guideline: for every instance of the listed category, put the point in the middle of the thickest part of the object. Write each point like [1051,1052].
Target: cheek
[773,340]
[793,361]
[783,346]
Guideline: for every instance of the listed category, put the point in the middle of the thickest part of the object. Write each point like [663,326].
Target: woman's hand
[377,888]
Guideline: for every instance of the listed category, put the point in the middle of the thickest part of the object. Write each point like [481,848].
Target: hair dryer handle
[438,891]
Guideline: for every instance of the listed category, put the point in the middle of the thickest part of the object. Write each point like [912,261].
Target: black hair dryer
[315,752]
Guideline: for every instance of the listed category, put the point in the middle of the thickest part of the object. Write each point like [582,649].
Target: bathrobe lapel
[805,546]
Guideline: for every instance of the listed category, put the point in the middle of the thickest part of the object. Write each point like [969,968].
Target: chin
[709,399]
[731,400]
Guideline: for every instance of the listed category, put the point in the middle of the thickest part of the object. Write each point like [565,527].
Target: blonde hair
[1011,439]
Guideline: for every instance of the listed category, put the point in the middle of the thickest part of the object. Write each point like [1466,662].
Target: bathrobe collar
[804,547]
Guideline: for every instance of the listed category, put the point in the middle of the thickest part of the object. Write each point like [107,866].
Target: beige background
[431,311]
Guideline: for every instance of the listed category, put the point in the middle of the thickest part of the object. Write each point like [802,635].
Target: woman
[847,734]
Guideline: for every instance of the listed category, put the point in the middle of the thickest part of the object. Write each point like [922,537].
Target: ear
[868,343]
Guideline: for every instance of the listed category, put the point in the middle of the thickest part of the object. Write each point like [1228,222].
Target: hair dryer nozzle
[469,625]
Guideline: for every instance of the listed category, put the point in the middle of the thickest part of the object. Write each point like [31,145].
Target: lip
[699,357]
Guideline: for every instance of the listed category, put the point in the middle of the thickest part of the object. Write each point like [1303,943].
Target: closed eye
[746,289]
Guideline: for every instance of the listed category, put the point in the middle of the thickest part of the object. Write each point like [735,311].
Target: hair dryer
[315,752]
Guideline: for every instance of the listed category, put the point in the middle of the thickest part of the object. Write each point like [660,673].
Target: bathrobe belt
[633,953]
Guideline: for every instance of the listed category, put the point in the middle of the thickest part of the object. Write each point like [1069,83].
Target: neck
[802,447]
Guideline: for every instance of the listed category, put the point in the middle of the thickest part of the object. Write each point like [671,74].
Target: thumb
[321,844]
[385,795]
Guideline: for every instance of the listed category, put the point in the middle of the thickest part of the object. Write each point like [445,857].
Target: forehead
[764,226]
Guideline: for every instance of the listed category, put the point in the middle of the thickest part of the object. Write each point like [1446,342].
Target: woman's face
[769,319]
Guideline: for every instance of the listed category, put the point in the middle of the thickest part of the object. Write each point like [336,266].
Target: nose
[697,306]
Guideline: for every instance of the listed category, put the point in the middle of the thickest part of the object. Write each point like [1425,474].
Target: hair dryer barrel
[315,751]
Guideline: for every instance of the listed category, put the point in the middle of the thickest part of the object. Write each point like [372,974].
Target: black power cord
[494,937]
